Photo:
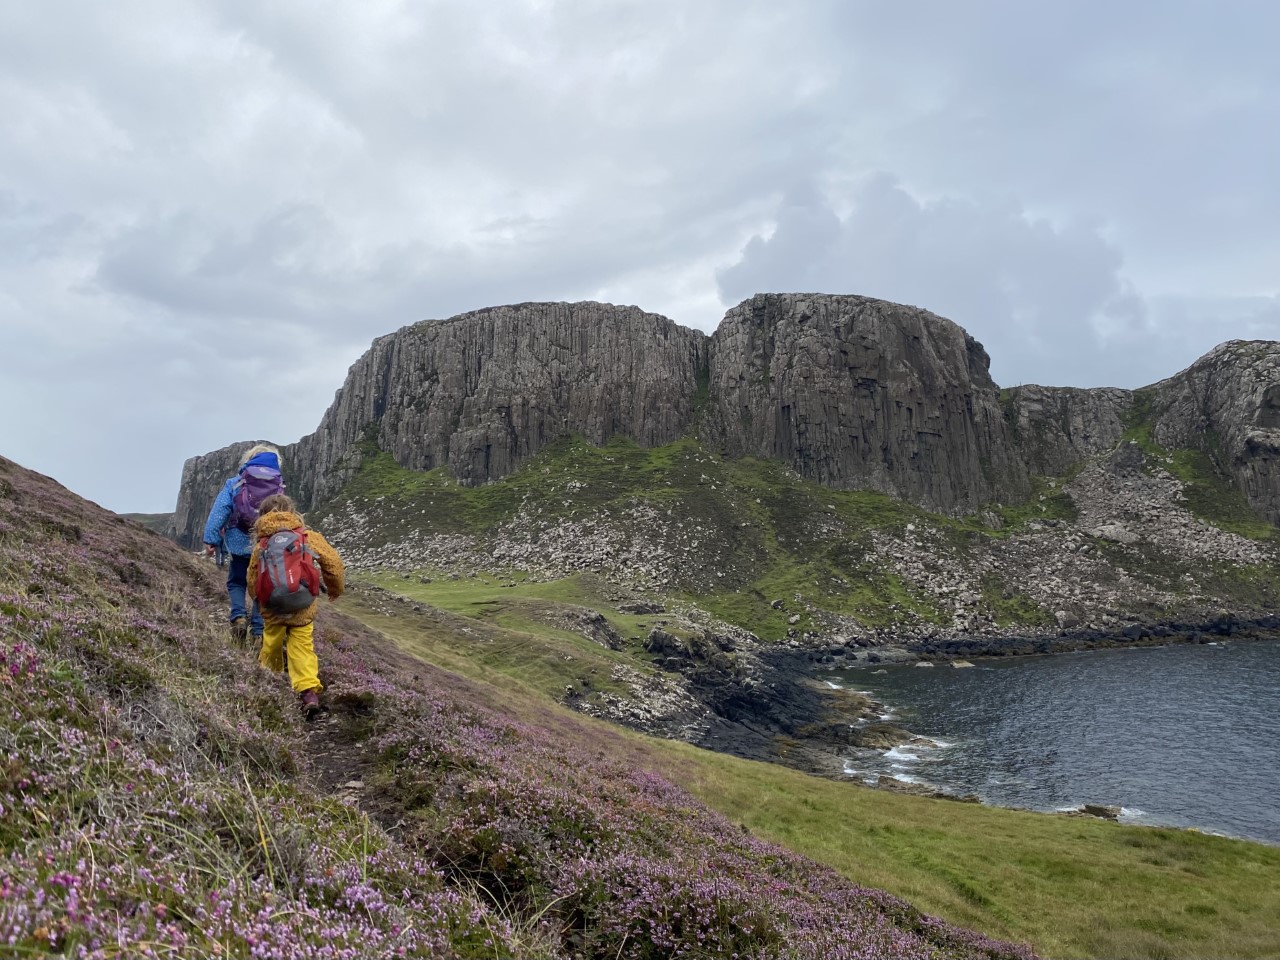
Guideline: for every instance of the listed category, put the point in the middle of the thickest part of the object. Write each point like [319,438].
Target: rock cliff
[482,392]
[1056,428]
[862,393]
[1227,405]
[849,391]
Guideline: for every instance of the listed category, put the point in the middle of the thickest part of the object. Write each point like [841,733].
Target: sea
[1185,735]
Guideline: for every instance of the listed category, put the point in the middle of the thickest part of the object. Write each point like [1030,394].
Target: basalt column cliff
[482,392]
[859,393]
[850,391]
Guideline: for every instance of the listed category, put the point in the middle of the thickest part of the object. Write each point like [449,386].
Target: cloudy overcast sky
[200,198]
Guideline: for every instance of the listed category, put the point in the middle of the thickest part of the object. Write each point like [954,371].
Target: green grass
[1258,586]
[529,635]
[752,531]
[1010,608]
[1073,887]
[836,581]
[155,522]
[1048,501]
[765,533]
[516,602]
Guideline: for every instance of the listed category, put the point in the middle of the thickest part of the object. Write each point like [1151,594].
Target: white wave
[897,754]
[833,686]
[1132,812]
[929,743]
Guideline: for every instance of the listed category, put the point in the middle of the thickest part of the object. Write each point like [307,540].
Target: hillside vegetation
[159,795]
[1137,536]
[1073,887]
[732,533]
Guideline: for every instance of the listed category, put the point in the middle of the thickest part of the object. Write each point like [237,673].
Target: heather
[1073,887]
[160,796]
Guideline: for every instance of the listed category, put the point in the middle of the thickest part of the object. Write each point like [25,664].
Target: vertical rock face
[1227,404]
[1057,427]
[850,391]
[484,391]
[856,392]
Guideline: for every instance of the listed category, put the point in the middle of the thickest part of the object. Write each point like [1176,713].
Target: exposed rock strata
[861,393]
[483,392]
[850,391]
[1056,428]
[1227,404]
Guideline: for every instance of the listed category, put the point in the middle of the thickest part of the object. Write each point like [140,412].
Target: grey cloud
[1161,116]
[1052,304]
[180,180]
[1035,293]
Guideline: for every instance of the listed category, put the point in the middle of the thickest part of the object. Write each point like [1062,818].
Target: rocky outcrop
[1227,404]
[484,391]
[1056,428]
[849,391]
[862,393]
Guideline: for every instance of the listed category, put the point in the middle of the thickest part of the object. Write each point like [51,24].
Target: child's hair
[258,448]
[277,502]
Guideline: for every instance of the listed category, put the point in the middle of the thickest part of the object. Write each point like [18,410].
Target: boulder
[641,607]
[1116,533]
[1105,812]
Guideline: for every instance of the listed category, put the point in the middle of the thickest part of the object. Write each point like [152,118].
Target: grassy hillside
[752,543]
[734,535]
[1210,491]
[1072,887]
[159,795]
[156,522]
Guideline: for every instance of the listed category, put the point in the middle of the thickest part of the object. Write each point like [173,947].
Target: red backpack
[288,575]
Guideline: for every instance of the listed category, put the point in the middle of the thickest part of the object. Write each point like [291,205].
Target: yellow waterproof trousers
[304,668]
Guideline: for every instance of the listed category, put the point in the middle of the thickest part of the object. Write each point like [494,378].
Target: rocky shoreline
[956,655]
[1153,633]
[821,723]
[722,688]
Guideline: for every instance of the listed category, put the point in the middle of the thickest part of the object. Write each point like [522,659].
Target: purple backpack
[255,485]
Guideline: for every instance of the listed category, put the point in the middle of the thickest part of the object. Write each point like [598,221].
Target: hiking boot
[239,628]
[310,704]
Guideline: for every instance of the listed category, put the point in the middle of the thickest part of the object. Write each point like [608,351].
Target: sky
[210,208]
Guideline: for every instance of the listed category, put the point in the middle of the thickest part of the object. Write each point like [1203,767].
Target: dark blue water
[1184,735]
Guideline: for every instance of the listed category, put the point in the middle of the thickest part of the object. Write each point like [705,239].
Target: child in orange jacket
[292,631]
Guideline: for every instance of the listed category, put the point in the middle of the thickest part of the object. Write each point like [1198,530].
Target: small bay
[1186,735]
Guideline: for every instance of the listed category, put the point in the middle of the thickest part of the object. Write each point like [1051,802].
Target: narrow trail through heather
[336,754]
